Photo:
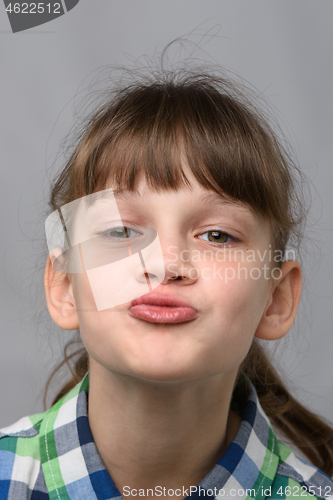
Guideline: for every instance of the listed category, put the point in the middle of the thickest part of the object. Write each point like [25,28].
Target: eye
[218,237]
[120,233]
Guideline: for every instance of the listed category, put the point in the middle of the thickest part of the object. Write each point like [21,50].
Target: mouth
[158,308]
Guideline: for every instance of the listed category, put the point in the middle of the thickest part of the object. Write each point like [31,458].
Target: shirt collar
[73,468]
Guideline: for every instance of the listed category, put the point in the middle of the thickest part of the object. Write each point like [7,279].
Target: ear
[281,308]
[59,298]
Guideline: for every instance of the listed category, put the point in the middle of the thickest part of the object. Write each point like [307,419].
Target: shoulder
[14,435]
[284,472]
[29,445]
[20,462]
[295,477]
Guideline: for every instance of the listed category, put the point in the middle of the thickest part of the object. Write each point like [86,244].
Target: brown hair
[146,126]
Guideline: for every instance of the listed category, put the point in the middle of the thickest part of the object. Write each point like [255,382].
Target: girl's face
[222,251]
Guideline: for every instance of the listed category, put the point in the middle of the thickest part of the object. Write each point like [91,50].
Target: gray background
[283,48]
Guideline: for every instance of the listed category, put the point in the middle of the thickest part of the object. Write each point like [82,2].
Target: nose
[177,266]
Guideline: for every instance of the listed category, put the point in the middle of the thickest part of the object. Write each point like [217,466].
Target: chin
[164,377]
[159,371]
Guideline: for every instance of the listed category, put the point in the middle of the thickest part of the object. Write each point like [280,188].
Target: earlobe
[59,298]
[281,309]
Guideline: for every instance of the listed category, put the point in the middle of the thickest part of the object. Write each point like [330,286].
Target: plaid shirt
[52,456]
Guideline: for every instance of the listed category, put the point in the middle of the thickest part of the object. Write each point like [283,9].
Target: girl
[167,241]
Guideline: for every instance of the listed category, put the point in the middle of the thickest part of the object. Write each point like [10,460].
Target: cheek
[235,285]
[97,328]
[84,299]
[238,302]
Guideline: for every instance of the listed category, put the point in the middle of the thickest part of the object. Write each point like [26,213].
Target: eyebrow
[126,195]
[214,200]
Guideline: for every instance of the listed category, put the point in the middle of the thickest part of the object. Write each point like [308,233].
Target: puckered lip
[159,299]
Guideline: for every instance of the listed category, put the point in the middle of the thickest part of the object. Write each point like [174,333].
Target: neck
[164,433]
